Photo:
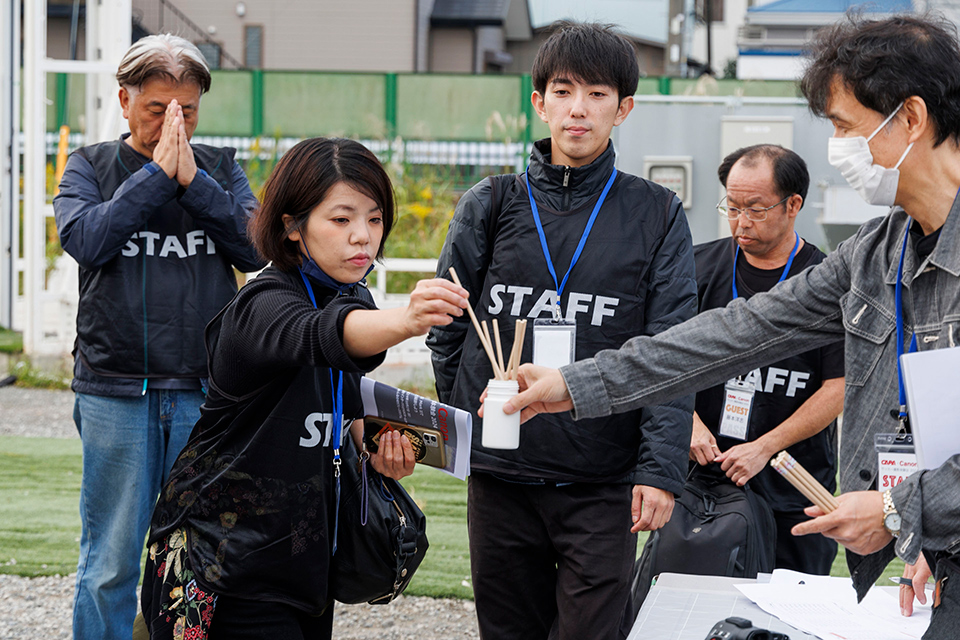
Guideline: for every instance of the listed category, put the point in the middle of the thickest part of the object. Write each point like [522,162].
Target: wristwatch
[891,519]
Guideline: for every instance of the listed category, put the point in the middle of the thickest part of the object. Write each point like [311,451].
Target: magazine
[389,404]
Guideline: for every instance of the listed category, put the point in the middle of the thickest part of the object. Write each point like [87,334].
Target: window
[253,46]
[211,53]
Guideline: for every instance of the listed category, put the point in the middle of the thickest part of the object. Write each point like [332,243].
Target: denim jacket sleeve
[929,504]
[801,313]
[671,299]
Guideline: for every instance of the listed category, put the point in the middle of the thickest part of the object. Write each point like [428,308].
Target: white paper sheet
[930,379]
[827,608]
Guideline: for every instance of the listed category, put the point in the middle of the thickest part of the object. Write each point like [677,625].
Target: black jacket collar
[583,183]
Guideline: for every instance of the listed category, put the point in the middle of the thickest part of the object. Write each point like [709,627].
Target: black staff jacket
[635,276]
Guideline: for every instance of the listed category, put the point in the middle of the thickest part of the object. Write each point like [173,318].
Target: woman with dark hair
[242,534]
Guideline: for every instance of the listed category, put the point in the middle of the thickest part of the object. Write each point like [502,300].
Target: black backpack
[717,529]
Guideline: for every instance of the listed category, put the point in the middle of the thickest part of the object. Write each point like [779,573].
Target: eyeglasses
[753,214]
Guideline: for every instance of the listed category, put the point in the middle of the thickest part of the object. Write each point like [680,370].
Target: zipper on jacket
[565,202]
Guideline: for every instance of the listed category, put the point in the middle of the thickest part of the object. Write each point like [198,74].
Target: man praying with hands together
[157,226]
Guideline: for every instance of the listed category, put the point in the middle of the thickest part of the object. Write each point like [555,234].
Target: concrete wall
[684,129]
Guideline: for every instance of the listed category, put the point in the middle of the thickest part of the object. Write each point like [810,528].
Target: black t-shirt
[782,387]
[923,244]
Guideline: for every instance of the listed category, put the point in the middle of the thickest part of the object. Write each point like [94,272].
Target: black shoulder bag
[381,536]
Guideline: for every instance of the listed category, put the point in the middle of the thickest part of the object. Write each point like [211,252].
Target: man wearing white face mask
[875,184]
[891,88]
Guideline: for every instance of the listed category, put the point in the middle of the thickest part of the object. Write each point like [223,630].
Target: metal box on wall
[674,173]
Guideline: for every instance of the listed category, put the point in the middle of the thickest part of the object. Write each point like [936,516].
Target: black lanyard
[786,269]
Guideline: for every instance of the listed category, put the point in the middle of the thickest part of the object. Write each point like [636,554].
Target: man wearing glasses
[792,404]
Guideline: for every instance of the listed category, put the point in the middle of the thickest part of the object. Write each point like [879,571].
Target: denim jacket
[850,294]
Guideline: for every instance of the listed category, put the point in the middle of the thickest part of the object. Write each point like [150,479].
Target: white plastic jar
[500,431]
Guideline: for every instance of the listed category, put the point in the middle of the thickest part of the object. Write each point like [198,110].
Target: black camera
[741,629]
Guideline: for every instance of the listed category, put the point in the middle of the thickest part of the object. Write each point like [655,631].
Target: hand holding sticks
[789,468]
[496,358]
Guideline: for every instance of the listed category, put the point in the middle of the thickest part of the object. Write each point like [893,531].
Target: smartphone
[427,443]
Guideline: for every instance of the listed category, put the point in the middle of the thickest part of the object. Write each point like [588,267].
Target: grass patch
[445,572]
[40,523]
[39,498]
[36,378]
[10,341]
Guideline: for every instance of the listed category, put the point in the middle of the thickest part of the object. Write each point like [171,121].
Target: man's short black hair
[589,52]
[884,62]
[790,175]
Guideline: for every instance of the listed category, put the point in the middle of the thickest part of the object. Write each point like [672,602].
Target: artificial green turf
[39,498]
[445,572]
[40,524]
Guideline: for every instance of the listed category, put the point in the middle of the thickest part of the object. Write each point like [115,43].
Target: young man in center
[590,256]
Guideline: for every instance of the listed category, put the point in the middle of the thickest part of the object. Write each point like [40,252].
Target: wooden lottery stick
[788,473]
[523,337]
[476,325]
[497,372]
[821,490]
[518,337]
[796,475]
[511,365]
[822,499]
[496,336]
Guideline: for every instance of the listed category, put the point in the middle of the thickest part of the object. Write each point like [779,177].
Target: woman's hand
[433,302]
[394,458]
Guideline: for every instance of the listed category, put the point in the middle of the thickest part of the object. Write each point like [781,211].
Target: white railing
[414,350]
[398,265]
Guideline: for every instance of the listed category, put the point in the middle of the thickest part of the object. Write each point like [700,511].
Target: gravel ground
[40,607]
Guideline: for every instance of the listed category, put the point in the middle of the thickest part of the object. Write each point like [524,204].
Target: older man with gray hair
[157,226]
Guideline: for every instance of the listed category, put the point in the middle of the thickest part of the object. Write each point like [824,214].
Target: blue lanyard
[336,391]
[900,329]
[786,269]
[583,238]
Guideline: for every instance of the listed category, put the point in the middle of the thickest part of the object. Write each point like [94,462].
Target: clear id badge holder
[554,342]
[896,457]
[737,401]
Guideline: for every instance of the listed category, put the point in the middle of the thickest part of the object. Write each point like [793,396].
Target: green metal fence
[379,105]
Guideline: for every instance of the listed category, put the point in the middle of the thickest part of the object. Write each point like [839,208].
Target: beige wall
[649,57]
[451,50]
[651,60]
[335,35]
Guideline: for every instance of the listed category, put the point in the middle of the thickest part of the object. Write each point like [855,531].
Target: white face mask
[875,184]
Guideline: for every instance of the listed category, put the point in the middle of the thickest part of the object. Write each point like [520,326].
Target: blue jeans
[129,446]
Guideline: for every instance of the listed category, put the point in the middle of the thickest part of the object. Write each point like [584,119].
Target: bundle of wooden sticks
[500,371]
[787,466]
